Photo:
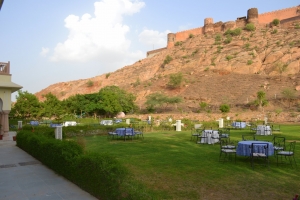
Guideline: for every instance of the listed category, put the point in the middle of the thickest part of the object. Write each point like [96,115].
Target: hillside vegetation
[216,69]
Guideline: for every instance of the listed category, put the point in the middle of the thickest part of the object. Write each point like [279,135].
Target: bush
[218,38]
[276,22]
[234,32]
[228,39]
[274,31]
[250,27]
[90,83]
[229,57]
[224,108]
[168,59]
[178,43]
[249,62]
[175,80]
[191,35]
[99,174]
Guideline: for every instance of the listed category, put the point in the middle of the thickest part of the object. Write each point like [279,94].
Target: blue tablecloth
[121,131]
[243,148]
[239,124]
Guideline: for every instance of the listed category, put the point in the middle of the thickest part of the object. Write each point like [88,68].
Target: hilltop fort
[286,16]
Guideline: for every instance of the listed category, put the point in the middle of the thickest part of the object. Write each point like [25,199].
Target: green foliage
[297,26]
[234,32]
[168,59]
[27,106]
[178,43]
[114,100]
[229,57]
[206,69]
[228,39]
[191,35]
[274,31]
[247,45]
[224,108]
[175,80]
[276,22]
[218,38]
[249,62]
[107,75]
[289,94]
[90,83]
[99,174]
[261,100]
[157,99]
[51,107]
[250,27]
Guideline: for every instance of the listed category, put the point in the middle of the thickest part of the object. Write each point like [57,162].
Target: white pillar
[178,125]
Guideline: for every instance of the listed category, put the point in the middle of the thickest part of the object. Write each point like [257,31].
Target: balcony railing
[4,68]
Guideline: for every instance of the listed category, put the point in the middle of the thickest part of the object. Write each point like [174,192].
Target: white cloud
[44,51]
[154,38]
[100,37]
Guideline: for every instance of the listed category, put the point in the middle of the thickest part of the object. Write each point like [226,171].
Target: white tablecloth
[263,130]
[210,134]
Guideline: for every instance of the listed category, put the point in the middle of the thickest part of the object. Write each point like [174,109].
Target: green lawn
[172,166]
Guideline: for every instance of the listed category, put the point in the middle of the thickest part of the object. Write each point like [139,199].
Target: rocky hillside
[214,72]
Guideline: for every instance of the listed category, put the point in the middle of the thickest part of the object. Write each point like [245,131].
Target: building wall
[154,52]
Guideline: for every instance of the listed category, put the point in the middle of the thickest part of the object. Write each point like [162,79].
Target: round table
[243,148]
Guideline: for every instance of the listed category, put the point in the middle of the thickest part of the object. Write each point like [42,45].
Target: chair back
[292,146]
[247,137]
[279,141]
[259,148]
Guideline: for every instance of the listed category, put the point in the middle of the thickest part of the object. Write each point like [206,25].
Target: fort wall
[266,18]
[287,16]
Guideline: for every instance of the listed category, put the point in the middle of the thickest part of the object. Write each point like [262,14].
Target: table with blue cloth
[243,148]
[122,132]
[239,124]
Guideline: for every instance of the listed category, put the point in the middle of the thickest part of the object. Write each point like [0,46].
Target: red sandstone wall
[268,17]
[183,35]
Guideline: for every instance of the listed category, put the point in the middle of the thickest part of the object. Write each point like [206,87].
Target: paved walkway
[22,177]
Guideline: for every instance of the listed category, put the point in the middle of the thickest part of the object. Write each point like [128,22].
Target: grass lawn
[172,166]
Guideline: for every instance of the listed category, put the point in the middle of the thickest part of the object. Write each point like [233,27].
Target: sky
[55,41]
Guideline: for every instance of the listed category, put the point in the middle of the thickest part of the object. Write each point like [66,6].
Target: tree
[157,99]
[51,107]
[281,68]
[261,100]
[175,80]
[114,100]
[289,95]
[27,106]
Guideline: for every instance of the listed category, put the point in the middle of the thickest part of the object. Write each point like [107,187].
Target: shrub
[297,26]
[178,43]
[237,31]
[90,83]
[191,35]
[247,45]
[228,39]
[175,80]
[276,22]
[250,27]
[194,52]
[249,62]
[224,108]
[168,59]
[99,174]
[229,57]
[274,31]
[107,75]
[218,38]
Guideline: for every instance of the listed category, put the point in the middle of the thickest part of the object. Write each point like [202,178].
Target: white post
[178,125]
[127,121]
[19,124]
[221,123]
[58,132]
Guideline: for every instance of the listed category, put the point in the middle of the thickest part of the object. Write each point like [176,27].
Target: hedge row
[99,174]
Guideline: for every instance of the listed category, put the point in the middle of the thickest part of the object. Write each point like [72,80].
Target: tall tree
[261,100]
[27,106]
[52,107]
